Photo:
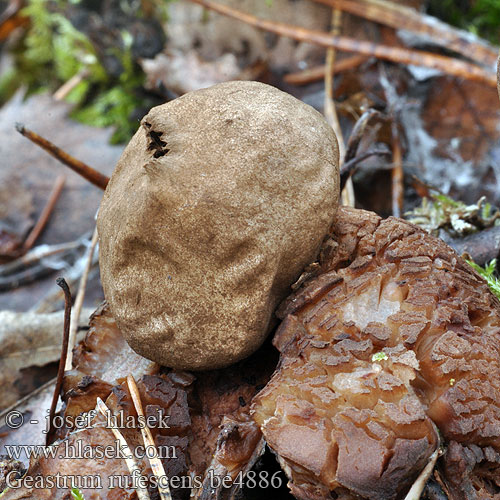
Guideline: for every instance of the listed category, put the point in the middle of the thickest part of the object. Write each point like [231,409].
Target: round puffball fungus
[217,204]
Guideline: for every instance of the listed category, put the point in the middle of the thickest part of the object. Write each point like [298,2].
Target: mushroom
[220,201]
[396,335]
[217,204]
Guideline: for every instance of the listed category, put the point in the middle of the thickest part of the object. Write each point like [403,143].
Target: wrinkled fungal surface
[396,335]
[472,472]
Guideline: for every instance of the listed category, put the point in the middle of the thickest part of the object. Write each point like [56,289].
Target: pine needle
[142,493]
[149,443]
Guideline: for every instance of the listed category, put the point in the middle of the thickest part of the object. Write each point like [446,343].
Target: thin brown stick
[351,157]
[149,443]
[63,91]
[498,77]
[358,131]
[79,302]
[142,492]
[397,175]
[418,486]
[73,274]
[445,64]
[318,73]
[45,215]
[349,167]
[24,277]
[402,17]
[35,256]
[395,107]
[330,111]
[12,9]
[89,173]
[347,194]
[60,372]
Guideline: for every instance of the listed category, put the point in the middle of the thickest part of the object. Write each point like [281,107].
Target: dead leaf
[105,354]
[36,170]
[461,117]
[181,73]
[453,139]
[16,210]
[27,340]
[209,423]
[32,412]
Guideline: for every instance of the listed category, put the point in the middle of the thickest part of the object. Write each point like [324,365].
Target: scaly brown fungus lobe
[396,333]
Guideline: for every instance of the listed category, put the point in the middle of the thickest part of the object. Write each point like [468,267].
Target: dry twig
[89,173]
[10,18]
[395,105]
[403,17]
[447,65]
[349,167]
[36,255]
[38,263]
[63,91]
[11,10]
[419,485]
[44,216]
[330,110]
[60,373]
[347,193]
[351,158]
[24,277]
[358,131]
[149,443]
[397,175]
[19,249]
[318,73]
[50,302]
[79,301]
[142,493]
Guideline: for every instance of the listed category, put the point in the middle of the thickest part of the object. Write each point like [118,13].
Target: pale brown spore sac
[218,203]
[396,335]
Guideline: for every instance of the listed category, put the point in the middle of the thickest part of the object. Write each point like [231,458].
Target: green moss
[481,17]
[456,218]
[379,356]
[488,272]
[53,51]
[113,107]
[8,84]
[76,494]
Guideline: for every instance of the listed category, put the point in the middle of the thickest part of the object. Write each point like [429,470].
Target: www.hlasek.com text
[80,450]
